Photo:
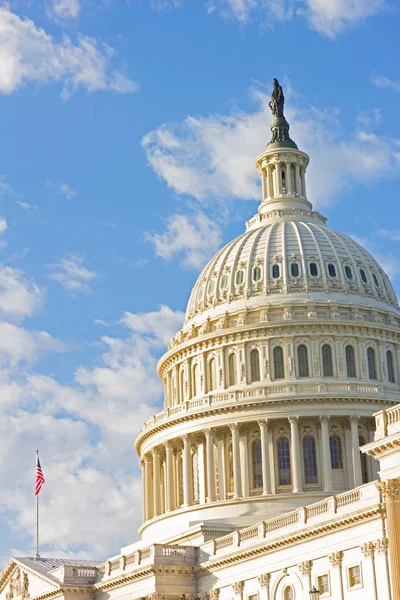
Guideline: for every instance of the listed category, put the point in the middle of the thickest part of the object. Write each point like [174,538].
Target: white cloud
[387,260]
[65,9]
[3,225]
[194,236]
[19,297]
[29,208]
[62,188]
[72,274]
[385,82]
[213,157]
[21,345]
[28,53]
[391,234]
[160,325]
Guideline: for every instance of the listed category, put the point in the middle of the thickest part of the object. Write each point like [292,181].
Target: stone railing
[334,506]
[271,393]
[387,422]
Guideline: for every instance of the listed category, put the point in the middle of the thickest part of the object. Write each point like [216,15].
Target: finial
[280,127]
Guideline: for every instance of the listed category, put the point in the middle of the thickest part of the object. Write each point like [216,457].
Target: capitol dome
[291,343]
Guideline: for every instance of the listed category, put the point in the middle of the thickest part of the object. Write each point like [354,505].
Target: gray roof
[45,565]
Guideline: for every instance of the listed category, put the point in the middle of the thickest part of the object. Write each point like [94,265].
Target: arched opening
[239,277]
[336,452]
[371,363]
[275,271]
[279,367]
[310,459]
[256,273]
[232,372]
[302,360]
[254,365]
[257,464]
[283,453]
[288,593]
[212,374]
[294,182]
[181,386]
[390,366]
[283,175]
[327,362]
[195,372]
[350,361]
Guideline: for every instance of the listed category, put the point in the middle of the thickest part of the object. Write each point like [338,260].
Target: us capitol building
[254,484]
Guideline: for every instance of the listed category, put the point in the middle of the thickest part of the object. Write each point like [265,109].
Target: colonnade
[217,464]
[282,178]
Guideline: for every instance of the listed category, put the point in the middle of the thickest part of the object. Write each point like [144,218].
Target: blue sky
[128,136]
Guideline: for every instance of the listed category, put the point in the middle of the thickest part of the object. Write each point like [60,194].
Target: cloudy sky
[128,135]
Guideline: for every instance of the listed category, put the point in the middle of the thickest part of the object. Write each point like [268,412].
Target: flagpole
[37,516]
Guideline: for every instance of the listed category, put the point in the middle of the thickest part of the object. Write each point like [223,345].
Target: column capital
[155,451]
[324,418]
[234,427]
[262,423]
[368,549]
[147,457]
[238,587]
[213,594]
[382,546]
[354,419]
[208,431]
[293,420]
[390,489]
[142,463]
[336,558]
[305,567]
[264,579]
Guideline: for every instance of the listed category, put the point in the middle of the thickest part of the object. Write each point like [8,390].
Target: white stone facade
[254,486]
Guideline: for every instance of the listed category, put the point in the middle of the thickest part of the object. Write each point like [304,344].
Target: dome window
[363,276]
[331,270]
[294,270]
[201,293]
[390,366]
[350,361]
[224,282]
[310,460]
[239,277]
[385,286]
[276,271]
[211,286]
[376,282]
[348,271]
[302,358]
[313,270]
[256,273]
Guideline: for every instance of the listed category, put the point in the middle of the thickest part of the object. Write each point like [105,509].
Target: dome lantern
[282,166]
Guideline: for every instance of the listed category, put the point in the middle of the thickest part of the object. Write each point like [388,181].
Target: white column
[144,516]
[237,482]
[156,482]
[189,379]
[368,551]
[270,182]
[187,472]
[169,476]
[202,472]
[266,475]
[326,454]
[263,185]
[210,466]
[337,578]
[176,392]
[221,467]
[295,455]
[147,486]
[355,450]
[244,461]
[373,462]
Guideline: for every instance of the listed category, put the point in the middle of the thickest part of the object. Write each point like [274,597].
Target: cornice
[121,579]
[290,539]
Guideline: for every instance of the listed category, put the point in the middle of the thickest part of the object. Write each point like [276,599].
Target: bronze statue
[277,100]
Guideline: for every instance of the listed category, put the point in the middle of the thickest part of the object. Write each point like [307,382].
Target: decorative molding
[390,489]
[305,567]
[336,558]
[264,579]
[368,549]
[382,546]
[238,588]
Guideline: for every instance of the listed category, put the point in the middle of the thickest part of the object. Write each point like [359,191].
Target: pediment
[19,581]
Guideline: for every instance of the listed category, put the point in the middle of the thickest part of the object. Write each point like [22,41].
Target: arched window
[310,459]
[275,271]
[239,277]
[294,270]
[363,276]
[364,464]
[336,452]
[211,286]
[348,271]
[232,369]
[202,290]
[376,282]
[327,363]
[230,469]
[212,375]
[279,367]
[283,452]
[331,270]
[390,366]
[288,594]
[294,182]
[257,464]
[350,361]
[254,365]
[224,282]
[256,273]
[313,270]
[371,363]
[302,359]
[195,372]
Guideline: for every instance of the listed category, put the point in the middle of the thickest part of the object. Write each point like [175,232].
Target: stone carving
[223,322]
[263,316]
[287,314]
[19,585]
[221,376]
[305,567]
[264,579]
[382,546]
[290,365]
[277,100]
[334,314]
[368,549]
[213,594]
[316,364]
[312,314]
[243,318]
[341,363]
[242,371]
[390,489]
[25,585]
[238,587]
[336,558]
[266,368]
[206,327]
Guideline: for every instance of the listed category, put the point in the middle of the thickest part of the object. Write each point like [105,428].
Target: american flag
[39,475]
